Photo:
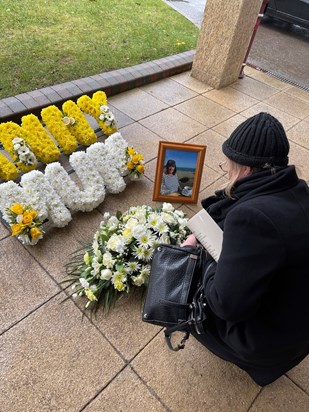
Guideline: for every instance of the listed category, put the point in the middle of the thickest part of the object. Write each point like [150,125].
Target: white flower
[104,108]
[66,120]
[133,266]
[107,260]
[116,243]
[84,283]
[138,280]
[106,274]
[167,207]
[138,231]
[19,218]
[17,140]
[131,223]
[162,227]
[168,218]
[23,150]
[146,239]
[112,223]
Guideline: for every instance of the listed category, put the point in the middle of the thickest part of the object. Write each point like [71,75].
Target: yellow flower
[131,151]
[120,286]
[140,168]
[8,171]
[127,234]
[90,295]
[87,258]
[35,232]
[33,213]
[136,159]
[130,165]
[27,219]
[17,228]
[17,209]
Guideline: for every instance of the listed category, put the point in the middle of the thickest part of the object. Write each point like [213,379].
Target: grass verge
[46,42]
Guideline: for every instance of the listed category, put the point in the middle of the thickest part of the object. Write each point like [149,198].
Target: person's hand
[190,241]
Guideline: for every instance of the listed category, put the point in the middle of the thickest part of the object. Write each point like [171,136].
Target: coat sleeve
[252,252]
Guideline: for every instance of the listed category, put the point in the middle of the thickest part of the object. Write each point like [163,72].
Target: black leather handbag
[174,297]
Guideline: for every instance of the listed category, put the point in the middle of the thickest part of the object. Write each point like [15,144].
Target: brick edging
[113,82]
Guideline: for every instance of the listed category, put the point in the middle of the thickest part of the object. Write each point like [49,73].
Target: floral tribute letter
[53,195]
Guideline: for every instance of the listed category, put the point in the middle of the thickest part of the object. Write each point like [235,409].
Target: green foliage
[46,42]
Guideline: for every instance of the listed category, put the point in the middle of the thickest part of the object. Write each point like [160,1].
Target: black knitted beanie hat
[258,140]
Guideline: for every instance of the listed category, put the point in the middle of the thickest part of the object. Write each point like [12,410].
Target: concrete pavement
[53,359]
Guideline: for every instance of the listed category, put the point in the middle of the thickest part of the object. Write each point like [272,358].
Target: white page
[209,234]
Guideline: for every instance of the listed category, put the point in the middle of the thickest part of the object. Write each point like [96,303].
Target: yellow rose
[140,168]
[17,228]
[135,159]
[17,209]
[130,165]
[35,232]
[33,213]
[27,219]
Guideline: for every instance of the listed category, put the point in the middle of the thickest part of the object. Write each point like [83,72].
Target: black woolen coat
[258,292]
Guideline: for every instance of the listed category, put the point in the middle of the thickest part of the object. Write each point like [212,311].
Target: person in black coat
[257,293]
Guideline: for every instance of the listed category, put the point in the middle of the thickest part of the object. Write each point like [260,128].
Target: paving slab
[286,119]
[126,392]
[123,325]
[54,250]
[137,104]
[231,98]
[169,92]
[299,375]
[52,361]
[194,379]
[187,80]
[142,139]
[205,111]
[300,134]
[282,395]
[23,280]
[254,88]
[213,141]
[289,104]
[173,126]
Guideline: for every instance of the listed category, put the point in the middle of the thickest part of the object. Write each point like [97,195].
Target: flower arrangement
[135,163]
[38,139]
[25,224]
[8,171]
[23,153]
[8,133]
[97,108]
[53,194]
[72,196]
[118,259]
[81,129]
[67,128]
[53,118]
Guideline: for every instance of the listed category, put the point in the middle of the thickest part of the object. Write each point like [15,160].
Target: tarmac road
[280,49]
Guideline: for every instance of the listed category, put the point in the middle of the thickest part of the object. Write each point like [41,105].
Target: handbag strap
[180,327]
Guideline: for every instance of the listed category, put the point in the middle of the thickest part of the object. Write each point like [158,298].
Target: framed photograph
[178,172]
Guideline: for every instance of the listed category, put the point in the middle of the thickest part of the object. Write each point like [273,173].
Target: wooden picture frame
[185,165]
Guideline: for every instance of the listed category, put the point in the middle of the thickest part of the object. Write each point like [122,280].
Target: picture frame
[178,172]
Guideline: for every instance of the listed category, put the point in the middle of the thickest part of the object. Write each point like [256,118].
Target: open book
[208,233]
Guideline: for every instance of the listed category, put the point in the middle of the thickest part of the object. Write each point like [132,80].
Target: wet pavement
[280,49]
